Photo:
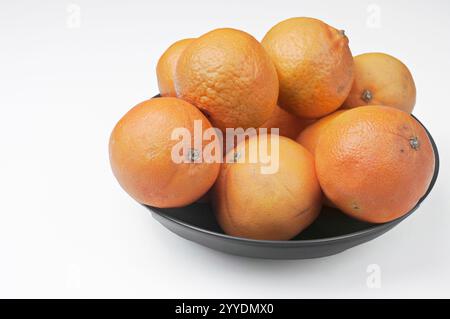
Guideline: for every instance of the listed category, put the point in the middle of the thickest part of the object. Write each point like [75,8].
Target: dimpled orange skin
[374,163]
[274,206]
[310,135]
[227,74]
[383,80]
[289,125]
[165,69]
[314,65]
[140,154]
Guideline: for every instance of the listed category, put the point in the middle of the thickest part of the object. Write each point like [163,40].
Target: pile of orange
[347,138]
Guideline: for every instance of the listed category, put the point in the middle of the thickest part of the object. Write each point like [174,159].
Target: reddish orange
[289,125]
[310,135]
[272,206]
[227,74]
[165,69]
[314,65]
[384,80]
[140,150]
[374,163]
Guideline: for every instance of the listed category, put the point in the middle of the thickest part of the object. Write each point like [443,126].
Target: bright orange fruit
[165,69]
[272,206]
[314,65]
[374,163]
[227,74]
[289,125]
[384,80]
[140,150]
[310,135]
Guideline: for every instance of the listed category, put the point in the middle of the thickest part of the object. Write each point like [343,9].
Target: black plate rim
[375,228]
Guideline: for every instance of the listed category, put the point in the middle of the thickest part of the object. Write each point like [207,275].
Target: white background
[69,72]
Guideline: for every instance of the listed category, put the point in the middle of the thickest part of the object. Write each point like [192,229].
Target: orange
[165,69]
[289,125]
[227,74]
[384,80]
[310,135]
[314,65]
[278,205]
[374,163]
[140,154]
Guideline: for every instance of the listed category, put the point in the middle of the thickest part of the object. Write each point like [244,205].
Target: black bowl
[332,232]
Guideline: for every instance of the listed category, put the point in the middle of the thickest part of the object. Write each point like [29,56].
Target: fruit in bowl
[272,134]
